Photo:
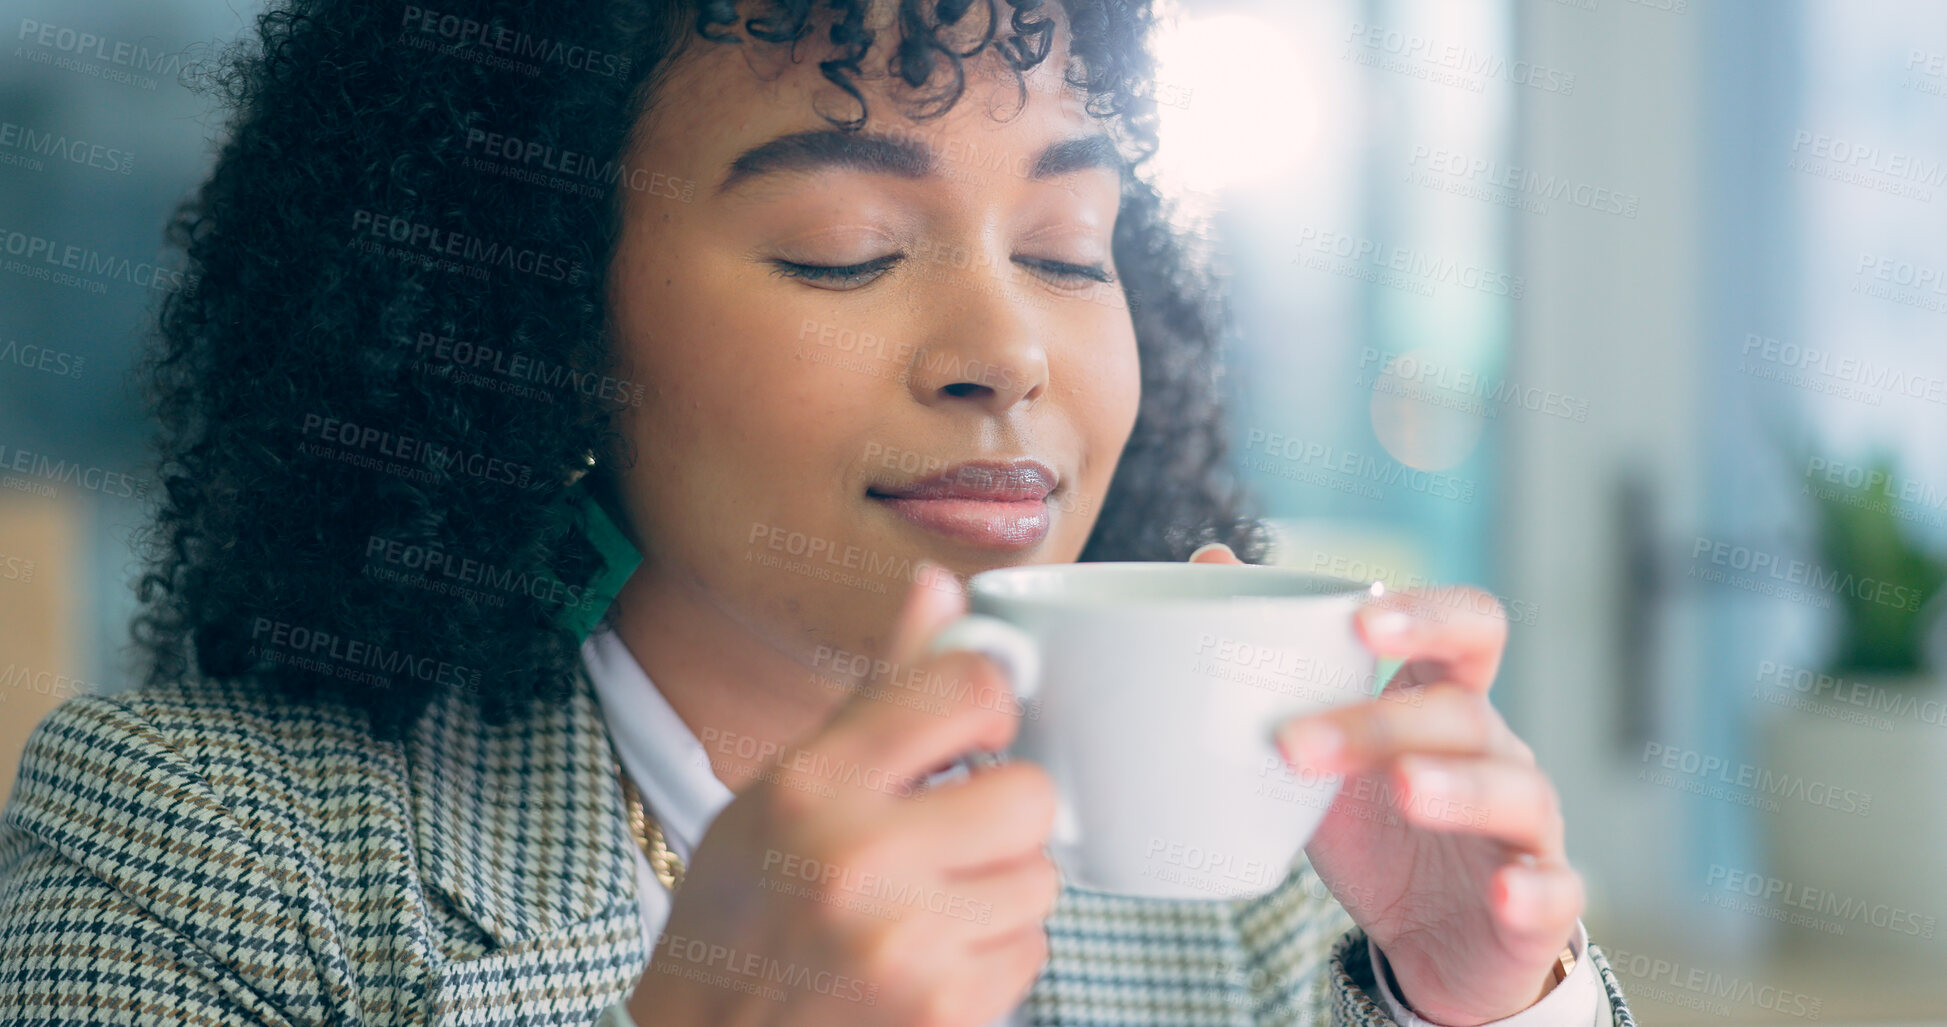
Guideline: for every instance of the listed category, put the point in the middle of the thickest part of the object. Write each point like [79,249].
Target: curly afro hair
[324,443]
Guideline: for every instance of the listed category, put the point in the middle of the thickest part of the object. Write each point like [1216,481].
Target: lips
[985,503]
[993,481]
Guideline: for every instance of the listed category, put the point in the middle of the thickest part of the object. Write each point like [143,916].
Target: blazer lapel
[521,825]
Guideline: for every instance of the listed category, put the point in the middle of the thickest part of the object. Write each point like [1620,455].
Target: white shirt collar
[658,751]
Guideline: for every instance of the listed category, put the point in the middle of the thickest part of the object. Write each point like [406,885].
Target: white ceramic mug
[1153,692]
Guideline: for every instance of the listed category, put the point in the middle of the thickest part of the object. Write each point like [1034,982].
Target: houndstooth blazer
[201,854]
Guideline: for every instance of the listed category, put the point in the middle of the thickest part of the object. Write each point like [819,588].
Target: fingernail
[1429,782]
[1208,547]
[936,600]
[1387,625]
[1523,901]
[1311,744]
[922,578]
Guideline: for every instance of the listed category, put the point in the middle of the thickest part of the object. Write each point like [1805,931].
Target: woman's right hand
[862,902]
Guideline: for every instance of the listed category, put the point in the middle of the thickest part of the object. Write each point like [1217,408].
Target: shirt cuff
[1577,1000]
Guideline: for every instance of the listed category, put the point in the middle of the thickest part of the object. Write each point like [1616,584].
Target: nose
[986,350]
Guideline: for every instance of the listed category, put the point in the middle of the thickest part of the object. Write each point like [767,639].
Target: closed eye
[1066,273]
[837,276]
[852,276]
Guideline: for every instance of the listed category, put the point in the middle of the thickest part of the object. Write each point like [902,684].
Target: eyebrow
[1078,154]
[807,152]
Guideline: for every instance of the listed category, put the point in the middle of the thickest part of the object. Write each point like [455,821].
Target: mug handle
[1016,652]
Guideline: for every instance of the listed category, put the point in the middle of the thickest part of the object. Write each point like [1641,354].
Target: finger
[1455,633]
[934,598]
[998,816]
[1021,937]
[907,688]
[1448,720]
[1005,899]
[941,708]
[1511,802]
[1537,903]
[1214,552]
[1005,969]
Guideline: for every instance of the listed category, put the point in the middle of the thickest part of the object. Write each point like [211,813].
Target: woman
[830,298]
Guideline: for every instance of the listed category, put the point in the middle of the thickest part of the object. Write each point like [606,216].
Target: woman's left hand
[1445,841]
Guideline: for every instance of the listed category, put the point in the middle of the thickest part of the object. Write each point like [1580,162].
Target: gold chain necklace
[649,834]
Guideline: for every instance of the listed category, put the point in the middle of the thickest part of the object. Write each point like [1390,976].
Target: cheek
[1127,390]
[730,423]
[771,424]
[1102,402]
[741,435]
[1109,394]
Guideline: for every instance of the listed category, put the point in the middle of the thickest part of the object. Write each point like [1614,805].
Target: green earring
[620,558]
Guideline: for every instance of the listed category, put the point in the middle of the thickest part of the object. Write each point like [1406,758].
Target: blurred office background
[1631,311]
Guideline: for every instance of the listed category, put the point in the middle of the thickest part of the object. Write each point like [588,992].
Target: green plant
[1883,579]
